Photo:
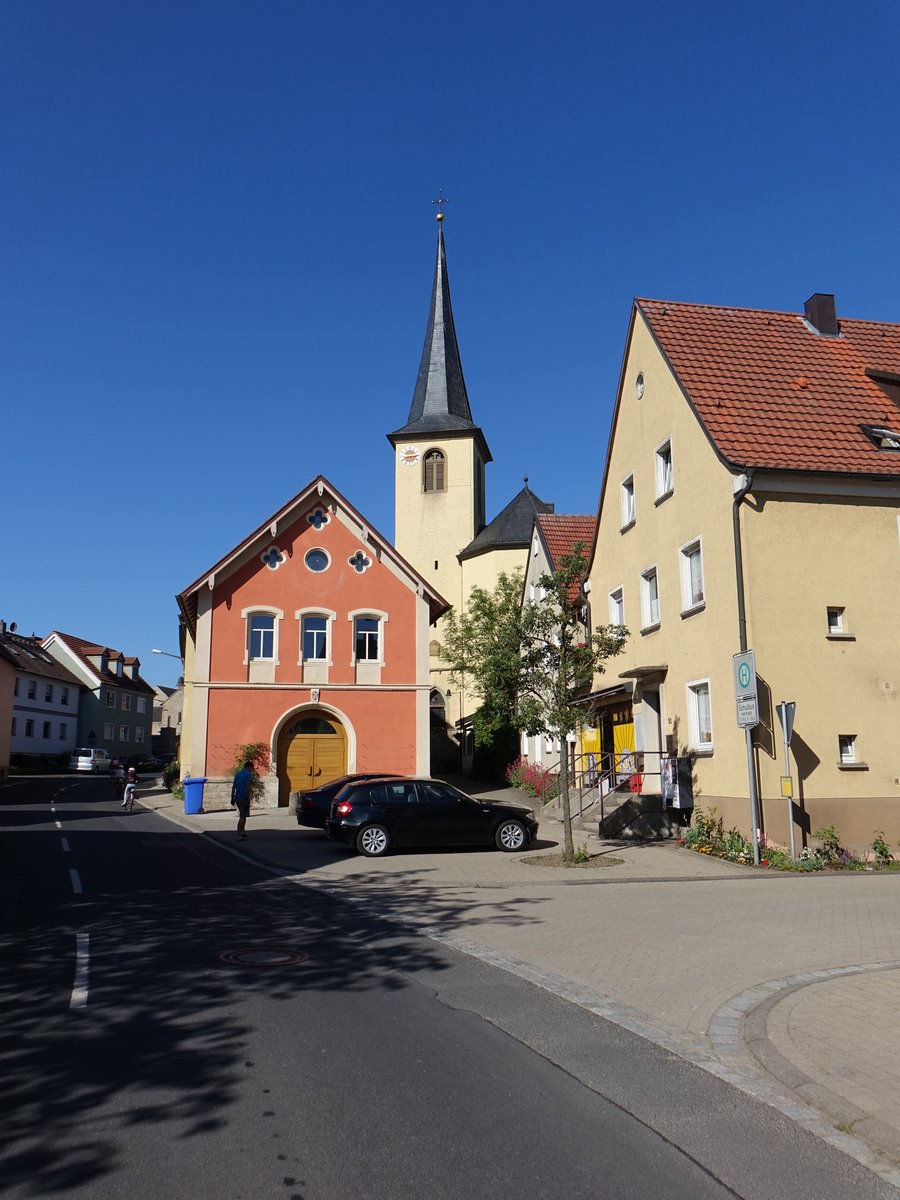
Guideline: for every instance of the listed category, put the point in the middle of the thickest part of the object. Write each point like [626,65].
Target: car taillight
[343,808]
[307,803]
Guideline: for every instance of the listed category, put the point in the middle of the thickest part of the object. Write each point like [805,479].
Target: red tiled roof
[561,533]
[83,649]
[773,393]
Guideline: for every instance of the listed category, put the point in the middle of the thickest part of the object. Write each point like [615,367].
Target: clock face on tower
[410,455]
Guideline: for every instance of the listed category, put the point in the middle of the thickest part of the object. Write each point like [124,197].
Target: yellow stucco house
[751,501]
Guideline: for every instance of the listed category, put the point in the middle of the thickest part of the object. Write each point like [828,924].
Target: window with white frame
[29,728]
[124,733]
[627,501]
[110,699]
[139,733]
[47,733]
[315,638]
[261,636]
[141,705]
[64,696]
[665,480]
[617,607]
[835,618]
[48,693]
[367,639]
[109,731]
[16,687]
[63,730]
[32,689]
[126,702]
[847,748]
[649,598]
[690,560]
[700,715]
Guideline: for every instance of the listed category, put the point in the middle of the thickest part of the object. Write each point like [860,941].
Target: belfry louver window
[434,471]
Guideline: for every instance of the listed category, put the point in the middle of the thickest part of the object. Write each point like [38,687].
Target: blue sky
[218,243]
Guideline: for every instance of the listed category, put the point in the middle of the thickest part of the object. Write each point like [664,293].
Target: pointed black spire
[440,403]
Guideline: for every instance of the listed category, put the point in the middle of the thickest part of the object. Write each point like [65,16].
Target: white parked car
[92,761]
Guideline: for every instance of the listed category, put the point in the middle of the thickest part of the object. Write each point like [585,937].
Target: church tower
[440,454]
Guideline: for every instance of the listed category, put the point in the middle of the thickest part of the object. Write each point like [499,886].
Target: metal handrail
[626,771]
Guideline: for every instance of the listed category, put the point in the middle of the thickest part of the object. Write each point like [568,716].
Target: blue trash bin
[193,795]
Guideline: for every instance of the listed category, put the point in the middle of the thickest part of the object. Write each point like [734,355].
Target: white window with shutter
[627,494]
[700,727]
[665,479]
[649,598]
[690,558]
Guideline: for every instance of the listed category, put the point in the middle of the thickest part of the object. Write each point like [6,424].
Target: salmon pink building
[311,637]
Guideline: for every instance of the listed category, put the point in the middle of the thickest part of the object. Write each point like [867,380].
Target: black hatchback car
[378,815]
[313,807]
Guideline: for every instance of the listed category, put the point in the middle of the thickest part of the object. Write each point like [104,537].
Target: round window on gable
[639,385]
[316,559]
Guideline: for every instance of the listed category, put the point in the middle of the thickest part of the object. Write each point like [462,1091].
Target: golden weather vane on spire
[440,202]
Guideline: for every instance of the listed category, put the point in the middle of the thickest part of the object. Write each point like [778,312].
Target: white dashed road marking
[82,969]
[65,845]
[76,881]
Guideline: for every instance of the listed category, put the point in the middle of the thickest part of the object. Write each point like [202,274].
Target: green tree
[482,647]
[525,662]
[558,656]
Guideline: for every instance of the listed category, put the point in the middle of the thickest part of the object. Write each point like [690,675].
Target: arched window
[435,473]
[437,709]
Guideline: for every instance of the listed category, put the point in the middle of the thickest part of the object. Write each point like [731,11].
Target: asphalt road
[177,1021]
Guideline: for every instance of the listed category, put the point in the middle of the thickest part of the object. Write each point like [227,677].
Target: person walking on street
[240,798]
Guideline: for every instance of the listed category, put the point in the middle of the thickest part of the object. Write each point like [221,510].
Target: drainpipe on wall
[740,487]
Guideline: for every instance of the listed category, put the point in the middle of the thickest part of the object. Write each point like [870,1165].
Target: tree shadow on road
[163,1039]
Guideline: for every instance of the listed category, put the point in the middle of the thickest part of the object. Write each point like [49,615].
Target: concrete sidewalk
[786,985]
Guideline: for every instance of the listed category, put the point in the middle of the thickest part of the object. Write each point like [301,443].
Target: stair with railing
[619,798]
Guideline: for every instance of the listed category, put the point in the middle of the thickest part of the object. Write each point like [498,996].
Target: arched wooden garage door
[311,751]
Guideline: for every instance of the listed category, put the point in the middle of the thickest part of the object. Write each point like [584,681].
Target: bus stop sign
[745,693]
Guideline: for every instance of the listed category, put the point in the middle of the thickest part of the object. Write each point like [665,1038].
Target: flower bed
[707,835]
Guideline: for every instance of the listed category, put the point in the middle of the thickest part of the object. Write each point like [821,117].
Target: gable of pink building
[310,637]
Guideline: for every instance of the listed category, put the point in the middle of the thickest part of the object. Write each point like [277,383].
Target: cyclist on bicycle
[128,800]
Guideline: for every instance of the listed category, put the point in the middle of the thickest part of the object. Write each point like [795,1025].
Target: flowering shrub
[533,779]
[707,835]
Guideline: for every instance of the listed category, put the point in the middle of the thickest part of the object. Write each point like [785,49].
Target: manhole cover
[264,956]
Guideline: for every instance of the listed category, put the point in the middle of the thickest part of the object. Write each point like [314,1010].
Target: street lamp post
[167,654]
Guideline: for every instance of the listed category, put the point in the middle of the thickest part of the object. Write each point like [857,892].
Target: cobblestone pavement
[787,985]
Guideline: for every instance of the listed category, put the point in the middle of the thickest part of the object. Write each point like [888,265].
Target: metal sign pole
[747,702]
[786,713]
[790,803]
[754,821]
